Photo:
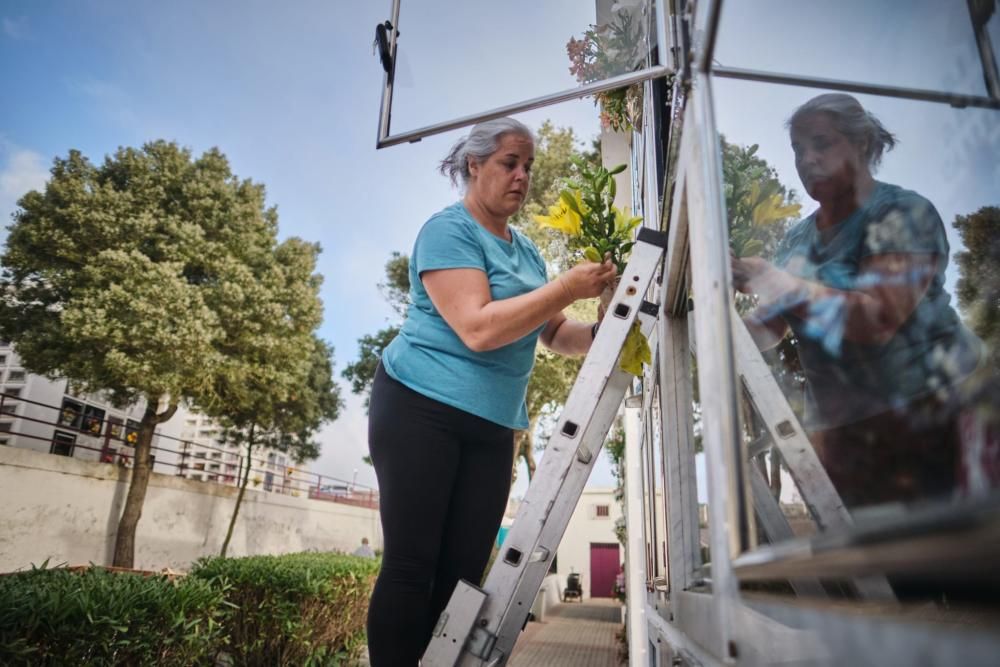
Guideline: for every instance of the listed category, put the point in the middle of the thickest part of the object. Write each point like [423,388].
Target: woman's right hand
[588,279]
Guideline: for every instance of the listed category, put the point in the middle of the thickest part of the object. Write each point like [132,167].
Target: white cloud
[15,28]
[22,170]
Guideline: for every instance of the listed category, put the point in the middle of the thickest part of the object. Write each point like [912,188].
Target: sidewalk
[574,634]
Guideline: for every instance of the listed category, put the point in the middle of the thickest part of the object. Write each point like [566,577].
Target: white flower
[881,234]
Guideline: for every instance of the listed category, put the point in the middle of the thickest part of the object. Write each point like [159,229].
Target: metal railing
[112,440]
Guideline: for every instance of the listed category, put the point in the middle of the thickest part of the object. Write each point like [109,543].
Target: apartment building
[51,415]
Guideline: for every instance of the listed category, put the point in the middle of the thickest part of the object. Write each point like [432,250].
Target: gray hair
[481,142]
[850,118]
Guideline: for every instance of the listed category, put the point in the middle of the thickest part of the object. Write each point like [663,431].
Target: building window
[131,432]
[8,409]
[71,414]
[3,359]
[6,427]
[115,428]
[602,511]
[13,392]
[63,444]
[93,420]
[4,441]
[15,376]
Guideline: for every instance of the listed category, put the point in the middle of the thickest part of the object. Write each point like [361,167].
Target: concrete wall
[67,510]
[586,528]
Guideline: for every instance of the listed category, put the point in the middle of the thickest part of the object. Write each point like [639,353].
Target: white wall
[585,528]
[67,510]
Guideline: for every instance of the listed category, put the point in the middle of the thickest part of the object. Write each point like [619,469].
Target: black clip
[381,45]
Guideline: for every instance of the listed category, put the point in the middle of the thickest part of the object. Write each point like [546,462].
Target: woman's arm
[565,336]
[462,296]
[889,288]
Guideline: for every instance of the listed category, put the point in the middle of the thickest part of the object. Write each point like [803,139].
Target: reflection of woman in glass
[860,282]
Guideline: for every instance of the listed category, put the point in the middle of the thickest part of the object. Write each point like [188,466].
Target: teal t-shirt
[848,381]
[429,357]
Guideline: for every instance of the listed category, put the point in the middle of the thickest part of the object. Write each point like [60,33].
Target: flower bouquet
[596,230]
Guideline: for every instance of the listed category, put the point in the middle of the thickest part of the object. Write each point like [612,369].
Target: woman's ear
[473,166]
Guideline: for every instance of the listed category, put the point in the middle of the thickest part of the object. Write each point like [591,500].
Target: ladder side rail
[776,528]
[790,439]
[635,541]
[519,593]
[787,434]
[683,534]
[654,529]
[590,407]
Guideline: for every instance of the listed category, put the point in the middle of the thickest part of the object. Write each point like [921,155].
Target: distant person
[449,391]
[861,284]
[364,551]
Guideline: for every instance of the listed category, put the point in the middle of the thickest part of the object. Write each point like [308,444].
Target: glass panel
[873,284]
[919,44]
[456,59]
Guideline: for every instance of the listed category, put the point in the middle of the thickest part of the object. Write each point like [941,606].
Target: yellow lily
[625,222]
[769,208]
[561,217]
[635,352]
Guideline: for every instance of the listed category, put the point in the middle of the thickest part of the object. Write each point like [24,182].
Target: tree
[286,422]
[978,288]
[155,277]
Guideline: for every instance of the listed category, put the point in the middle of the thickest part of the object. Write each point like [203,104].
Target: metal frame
[705,619]
[386,139]
[719,625]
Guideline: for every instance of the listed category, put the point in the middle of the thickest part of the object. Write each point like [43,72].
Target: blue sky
[291,95]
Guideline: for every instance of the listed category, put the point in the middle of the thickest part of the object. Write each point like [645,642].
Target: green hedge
[297,609]
[95,617]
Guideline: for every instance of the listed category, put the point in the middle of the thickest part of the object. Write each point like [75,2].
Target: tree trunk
[527,451]
[141,468]
[242,492]
[775,476]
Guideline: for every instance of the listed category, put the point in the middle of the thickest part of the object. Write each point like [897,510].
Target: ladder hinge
[481,642]
[653,237]
[649,308]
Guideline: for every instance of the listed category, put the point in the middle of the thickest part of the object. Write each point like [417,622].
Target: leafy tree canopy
[157,275]
[979,267]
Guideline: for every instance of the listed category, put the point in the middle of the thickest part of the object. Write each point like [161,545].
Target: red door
[604,566]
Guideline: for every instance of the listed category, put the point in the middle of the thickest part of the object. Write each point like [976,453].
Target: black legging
[443,477]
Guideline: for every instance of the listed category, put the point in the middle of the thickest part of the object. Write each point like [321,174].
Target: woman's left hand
[747,271]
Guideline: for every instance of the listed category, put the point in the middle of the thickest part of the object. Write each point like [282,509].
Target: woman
[860,282]
[450,389]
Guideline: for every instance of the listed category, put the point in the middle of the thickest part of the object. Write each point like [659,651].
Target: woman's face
[500,182]
[827,161]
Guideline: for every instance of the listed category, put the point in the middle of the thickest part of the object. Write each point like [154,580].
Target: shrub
[295,609]
[95,617]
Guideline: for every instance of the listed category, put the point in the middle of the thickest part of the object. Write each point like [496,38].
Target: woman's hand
[748,271]
[588,279]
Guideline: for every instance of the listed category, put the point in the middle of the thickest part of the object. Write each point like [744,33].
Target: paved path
[574,634]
